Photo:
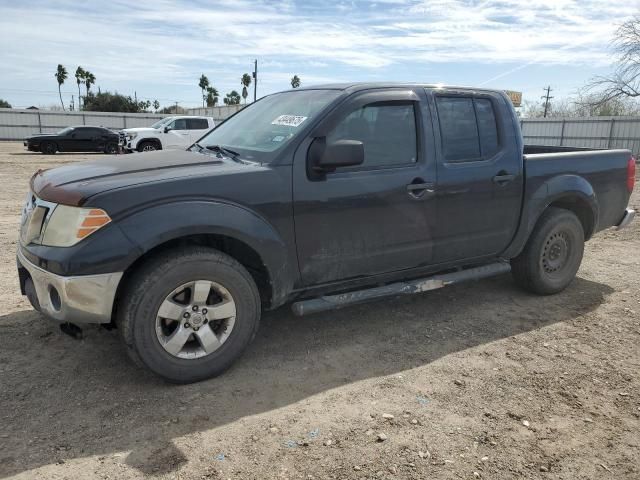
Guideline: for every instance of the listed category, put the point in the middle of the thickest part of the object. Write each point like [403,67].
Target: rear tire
[552,256]
[150,303]
[48,148]
[148,146]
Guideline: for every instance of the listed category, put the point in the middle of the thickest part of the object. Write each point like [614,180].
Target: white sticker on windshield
[289,120]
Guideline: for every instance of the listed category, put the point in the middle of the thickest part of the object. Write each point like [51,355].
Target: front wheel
[552,256]
[48,148]
[111,148]
[189,315]
[147,146]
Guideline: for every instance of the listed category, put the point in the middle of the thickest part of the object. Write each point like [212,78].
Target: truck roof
[356,86]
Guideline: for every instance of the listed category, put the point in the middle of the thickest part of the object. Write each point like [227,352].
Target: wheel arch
[156,141]
[230,229]
[571,192]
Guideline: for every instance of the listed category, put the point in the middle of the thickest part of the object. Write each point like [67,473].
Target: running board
[332,302]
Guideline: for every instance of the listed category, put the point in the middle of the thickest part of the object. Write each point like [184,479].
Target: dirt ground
[481,380]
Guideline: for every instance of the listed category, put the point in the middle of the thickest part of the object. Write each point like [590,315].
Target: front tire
[48,148]
[188,315]
[148,146]
[111,149]
[552,256]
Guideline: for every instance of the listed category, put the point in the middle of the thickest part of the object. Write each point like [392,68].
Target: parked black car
[74,139]
[323,197]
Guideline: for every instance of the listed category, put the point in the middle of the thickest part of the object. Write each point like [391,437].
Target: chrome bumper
[79,299]
[626,218]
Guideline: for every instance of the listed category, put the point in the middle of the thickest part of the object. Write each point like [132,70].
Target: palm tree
[232,98]
[61,76]
[295,81]
[203,84]
[212,96]
[156,105]
[80,73]
[245,81]
[89,79]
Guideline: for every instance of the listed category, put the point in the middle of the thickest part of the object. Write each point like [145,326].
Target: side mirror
[166,129]
[343,153]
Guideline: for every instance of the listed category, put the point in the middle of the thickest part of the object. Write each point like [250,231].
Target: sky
[159,48]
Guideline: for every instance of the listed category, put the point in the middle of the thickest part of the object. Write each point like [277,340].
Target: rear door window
[197,123]
[468,128]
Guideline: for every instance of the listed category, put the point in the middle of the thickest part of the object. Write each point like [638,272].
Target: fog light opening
[54,298]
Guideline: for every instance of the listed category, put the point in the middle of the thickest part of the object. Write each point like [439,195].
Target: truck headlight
[68,225]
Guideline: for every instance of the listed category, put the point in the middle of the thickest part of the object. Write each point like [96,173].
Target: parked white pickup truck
[168,133]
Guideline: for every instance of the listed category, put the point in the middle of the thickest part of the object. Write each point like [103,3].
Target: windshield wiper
[224,151]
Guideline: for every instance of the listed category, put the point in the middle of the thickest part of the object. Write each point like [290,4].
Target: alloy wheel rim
[195,319]
[148,148]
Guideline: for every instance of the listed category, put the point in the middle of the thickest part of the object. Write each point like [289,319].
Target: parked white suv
[169,133]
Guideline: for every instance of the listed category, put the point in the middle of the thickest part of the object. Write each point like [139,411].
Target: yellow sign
[515,97]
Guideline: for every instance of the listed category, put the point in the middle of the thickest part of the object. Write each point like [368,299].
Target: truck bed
[604,170]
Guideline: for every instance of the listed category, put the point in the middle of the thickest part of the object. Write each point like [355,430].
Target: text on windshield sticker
[289,120]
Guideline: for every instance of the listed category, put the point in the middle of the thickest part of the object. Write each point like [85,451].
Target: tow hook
[72,330]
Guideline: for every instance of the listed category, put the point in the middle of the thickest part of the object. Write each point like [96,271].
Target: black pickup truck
[320,197]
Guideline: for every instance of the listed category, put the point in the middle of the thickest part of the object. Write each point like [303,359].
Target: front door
[374,218]
[178,135]
[479,175]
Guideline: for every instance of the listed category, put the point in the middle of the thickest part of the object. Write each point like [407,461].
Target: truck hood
[140,130]
[73,184]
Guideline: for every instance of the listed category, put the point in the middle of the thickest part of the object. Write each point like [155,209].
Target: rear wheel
[147,146]
[189,315]
[552,256]
[48,148]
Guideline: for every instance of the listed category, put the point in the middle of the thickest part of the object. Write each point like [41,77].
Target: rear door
[480,179]
[178,135]
[377,217]
[197,128]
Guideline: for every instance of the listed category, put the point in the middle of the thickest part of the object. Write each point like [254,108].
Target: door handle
[420,190]
[502,178]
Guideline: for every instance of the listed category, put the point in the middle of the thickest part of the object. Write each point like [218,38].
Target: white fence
[16,124]
[218,113]
[592,132]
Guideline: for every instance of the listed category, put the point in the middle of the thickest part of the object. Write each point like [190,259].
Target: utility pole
[546,99]
[176,107]
[135,95]
[255,79]
[73,105]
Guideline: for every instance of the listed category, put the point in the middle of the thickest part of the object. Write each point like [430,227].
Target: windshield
[160,123]
[65,131]
[269,124]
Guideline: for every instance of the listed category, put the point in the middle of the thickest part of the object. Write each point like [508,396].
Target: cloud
[162,44]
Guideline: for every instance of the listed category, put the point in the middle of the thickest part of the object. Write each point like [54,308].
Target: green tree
[212,96]
[61,75]
[80,73]
[203,84]
[89,79]
[245,81]
[232,98]
[4,104]
[113,102]
[156,105]
[295,81]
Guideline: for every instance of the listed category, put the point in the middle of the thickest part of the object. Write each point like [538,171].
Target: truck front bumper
[628,216]
[75,299]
